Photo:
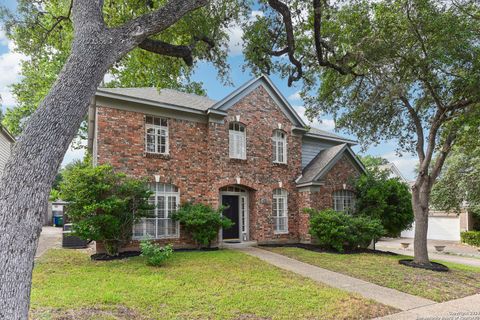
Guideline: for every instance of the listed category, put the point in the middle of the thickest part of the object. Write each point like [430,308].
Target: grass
[192,285]
[384,270]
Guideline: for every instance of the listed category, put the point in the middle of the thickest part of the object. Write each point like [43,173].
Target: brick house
[250,151]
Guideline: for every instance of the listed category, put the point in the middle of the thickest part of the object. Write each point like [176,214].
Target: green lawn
[385,270]
[192,285]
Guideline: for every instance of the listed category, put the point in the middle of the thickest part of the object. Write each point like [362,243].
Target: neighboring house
[250,151]
[6,143]
[392,171]
[444,225]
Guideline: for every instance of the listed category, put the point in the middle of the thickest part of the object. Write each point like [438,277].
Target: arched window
[344,200]
[237,141]
[279,140]
[165,198]
[280,211]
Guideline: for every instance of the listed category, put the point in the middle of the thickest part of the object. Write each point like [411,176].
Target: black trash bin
[71,241]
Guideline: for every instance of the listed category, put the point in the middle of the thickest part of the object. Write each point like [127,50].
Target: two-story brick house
[250,151]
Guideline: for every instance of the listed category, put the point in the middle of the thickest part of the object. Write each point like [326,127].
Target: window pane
[148,120]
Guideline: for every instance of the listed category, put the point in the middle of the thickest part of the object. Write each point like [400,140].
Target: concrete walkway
[467,308]
[50,237]
[387,296]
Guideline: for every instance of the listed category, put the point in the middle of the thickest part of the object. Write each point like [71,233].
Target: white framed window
[156,135]
[237,141]
[344,200]
[279,140]
[165,198]
[280,210]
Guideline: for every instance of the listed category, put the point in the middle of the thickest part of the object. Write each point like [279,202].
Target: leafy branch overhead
[43,31]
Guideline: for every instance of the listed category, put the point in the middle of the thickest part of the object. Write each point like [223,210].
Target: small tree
[103,204]
[202,222]
[388,200]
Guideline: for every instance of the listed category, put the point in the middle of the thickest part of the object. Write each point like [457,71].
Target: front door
[232,213]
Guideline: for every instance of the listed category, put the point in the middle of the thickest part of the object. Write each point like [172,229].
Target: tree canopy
[43,31]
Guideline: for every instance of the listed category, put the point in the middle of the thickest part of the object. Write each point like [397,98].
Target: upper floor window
[279,146]
[165,198]
[237,141]
[344,200]
[280,211]
[156,135]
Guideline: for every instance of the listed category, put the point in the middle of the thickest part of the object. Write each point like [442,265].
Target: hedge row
[471,238]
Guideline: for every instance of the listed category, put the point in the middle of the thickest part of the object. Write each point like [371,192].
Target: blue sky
[10,73]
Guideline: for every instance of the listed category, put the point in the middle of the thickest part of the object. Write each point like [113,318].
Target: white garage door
[439,228]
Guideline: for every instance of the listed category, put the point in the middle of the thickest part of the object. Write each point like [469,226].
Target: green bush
[386,199]
[340,231]
[155,254]
[202,222]
[103,204]
[471,237]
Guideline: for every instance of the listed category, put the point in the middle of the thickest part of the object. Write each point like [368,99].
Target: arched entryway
[236,199]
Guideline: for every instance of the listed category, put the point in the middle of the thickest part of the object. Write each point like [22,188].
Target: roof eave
[169,106]
[7,134]
[325,137]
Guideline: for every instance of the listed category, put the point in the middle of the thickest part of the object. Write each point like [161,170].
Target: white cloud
[235,33]
[9,69]
[323,124]
[295,96]
[406,164]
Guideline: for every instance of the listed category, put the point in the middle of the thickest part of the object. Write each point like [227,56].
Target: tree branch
[418,128]
[152,23]
[446,147]
[177,51]
[284,11]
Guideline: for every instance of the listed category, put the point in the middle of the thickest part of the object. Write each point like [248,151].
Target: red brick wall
[199,162]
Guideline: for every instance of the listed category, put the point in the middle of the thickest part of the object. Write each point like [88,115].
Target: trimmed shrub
[340,231]
[202,222]
[155,254]
[471,237]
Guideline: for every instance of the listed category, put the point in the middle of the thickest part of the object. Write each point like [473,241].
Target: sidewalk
[467,308]
[50,237]
[387,296]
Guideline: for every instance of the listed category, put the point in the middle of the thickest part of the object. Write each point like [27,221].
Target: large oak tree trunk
[31,169]
[420,204]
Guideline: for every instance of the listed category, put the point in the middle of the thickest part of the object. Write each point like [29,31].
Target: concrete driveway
[454,251]
[51,237]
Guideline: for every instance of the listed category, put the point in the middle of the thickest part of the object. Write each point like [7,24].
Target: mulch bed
[130,254]
[433,266]
[316,248]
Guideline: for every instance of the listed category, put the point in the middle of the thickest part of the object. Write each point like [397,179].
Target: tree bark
[420,203]
[38,153]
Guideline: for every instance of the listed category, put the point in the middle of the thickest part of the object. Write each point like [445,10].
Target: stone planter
[405,245]
[439,248]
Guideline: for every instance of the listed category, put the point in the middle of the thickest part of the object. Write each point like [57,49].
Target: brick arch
[247,183]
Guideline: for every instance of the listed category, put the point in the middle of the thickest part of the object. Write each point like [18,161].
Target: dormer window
[156,135]
[237,141]
[279,140]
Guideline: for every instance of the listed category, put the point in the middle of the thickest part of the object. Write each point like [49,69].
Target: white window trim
[238,150]
[284,215]
[143,221]
[343,195]
[276,141]
[155,128]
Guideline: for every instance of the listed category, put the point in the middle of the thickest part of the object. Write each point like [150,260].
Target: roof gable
[324,161]
[272,90]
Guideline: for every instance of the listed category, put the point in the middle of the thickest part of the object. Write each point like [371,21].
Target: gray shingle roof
[320,162]
[324,133]
[168,96]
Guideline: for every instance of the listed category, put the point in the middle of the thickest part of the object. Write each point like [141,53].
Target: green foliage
[340,231]
[103,204]
[471,237]
[460,181]
[43,31]
[202,222]
[372,162]
[155,254]
[387,200]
